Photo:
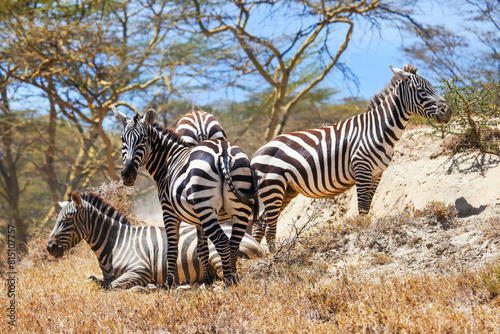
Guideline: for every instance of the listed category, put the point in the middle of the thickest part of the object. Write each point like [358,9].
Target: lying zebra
[132,255]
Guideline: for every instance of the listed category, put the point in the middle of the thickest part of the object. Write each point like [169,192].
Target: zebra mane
[169,134]
[379,97]
[136,118]
[105,207]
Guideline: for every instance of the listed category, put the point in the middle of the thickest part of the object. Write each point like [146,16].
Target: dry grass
[490,139]
[293,292]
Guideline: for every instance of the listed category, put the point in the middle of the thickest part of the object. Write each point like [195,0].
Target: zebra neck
[392,116]
[101,236]
[165,152]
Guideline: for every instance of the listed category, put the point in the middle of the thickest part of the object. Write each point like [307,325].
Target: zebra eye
[68,218]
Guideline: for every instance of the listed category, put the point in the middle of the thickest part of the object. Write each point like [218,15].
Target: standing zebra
[197,126]
[131,255]
[195,184]
[327,161]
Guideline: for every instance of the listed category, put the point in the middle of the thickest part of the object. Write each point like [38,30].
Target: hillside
[413,265]
[421,173]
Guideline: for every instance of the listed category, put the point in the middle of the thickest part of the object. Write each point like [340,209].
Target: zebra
[197,126]
[204,185]
[325,162]
[132,255]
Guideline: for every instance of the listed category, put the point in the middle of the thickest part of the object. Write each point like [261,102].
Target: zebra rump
[197,126]
[131,255]
[204,185]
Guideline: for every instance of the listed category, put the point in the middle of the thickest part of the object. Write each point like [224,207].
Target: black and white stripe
[327,161]
[197,126]
[132,255]
[200,185]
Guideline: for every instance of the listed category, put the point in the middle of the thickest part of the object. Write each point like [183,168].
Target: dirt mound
[405,232]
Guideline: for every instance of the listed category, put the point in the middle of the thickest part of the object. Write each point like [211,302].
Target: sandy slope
[419,174]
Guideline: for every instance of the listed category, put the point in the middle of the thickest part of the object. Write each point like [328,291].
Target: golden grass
[290,293]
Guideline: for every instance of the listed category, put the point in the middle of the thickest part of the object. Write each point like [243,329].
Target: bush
[476,116]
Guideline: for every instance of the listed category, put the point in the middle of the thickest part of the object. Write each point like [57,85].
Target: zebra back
[325,162]
[197,126]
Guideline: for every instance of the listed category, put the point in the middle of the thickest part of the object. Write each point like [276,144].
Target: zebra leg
[237,234]
[373,187]
[259,228]
[220,240]
[204,254]
[366,185]
[272,197]
[272,222]
[130,279]
[172,226]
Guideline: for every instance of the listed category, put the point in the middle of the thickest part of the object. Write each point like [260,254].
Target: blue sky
[369,55]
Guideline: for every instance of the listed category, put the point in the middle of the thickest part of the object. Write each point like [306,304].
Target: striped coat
[197,126]
[131,255]
[327,161]
[200,185]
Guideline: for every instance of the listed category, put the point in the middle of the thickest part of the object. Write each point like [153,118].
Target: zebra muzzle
[55,249]
[444,113]
[129,173]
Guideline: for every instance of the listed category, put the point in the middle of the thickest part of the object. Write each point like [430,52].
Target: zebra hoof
[169,284]
[231,281]
[97,280]
[208,281]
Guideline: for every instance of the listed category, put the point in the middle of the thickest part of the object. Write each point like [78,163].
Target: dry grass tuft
[490,137]
[439,213]
[121,197]
[293,292]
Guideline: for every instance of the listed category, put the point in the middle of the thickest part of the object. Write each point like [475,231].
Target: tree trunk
[275,116]
[8,172]
[51,143]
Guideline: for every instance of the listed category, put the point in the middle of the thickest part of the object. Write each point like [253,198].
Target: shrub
[476,116]
[490,279]
[438,212]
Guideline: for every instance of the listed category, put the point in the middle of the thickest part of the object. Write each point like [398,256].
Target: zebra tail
[225,166]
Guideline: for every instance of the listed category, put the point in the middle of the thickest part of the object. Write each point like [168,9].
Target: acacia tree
[12,148]
[470,56]
[292,56]
[471,52]
[81,59]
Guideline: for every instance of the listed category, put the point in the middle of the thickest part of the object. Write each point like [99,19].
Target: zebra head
[69,230]
[135,145]
[420,97]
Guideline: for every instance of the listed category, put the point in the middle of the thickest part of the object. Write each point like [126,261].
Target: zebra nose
[128,173]
[444,114]
[54,249]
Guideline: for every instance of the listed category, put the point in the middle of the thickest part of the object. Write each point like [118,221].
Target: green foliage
[490,279]
[476,110]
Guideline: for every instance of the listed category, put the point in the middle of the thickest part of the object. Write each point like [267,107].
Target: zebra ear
[149,117]
[63,204]
[77,200]
[120,117]
[399,73]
